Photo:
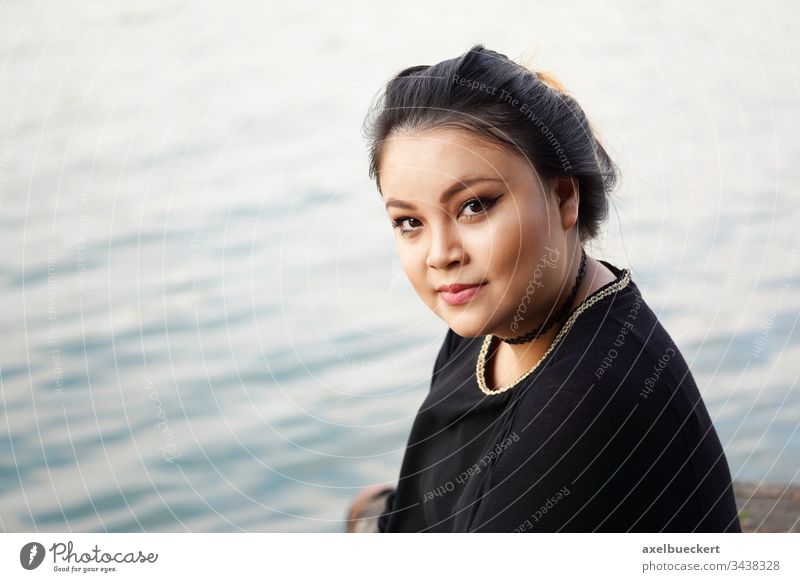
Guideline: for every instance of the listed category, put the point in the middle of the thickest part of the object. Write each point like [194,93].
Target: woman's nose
[445,248]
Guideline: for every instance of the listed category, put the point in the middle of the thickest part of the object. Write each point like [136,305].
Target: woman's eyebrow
[447,194]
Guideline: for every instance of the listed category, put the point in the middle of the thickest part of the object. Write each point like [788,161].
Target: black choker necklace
[559,315]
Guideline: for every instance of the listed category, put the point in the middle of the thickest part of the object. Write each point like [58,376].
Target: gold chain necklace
[480,367]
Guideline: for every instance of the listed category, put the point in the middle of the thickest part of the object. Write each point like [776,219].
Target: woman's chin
[464,327]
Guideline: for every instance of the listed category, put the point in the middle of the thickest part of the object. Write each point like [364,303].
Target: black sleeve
[384,517]
[445,353]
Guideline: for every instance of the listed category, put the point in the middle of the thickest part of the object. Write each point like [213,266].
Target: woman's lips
[461,296]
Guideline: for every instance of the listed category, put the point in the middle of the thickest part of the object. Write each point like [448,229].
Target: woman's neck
[513,360]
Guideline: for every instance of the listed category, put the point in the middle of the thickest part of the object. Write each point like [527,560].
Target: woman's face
[466,211]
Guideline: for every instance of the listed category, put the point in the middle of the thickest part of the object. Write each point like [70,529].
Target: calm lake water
[205,326]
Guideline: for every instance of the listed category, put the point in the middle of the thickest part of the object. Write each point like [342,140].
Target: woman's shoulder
[619,319]
[620,344]
[616,386]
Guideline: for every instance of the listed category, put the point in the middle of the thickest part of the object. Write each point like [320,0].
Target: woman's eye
[478,205]
[398,222]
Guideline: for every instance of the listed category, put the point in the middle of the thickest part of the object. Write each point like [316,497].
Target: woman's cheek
[505,239]
[406,255]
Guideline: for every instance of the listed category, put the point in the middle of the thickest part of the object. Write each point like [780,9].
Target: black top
[608,434]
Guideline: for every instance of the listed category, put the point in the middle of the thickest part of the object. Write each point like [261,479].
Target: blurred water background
[205,325]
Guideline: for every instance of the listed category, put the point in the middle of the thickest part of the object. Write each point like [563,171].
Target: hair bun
[550,80]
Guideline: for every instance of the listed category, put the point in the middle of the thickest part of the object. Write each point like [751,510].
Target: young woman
[558,402]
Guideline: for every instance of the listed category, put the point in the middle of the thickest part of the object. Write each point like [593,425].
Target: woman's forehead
[430,161]
[454,143]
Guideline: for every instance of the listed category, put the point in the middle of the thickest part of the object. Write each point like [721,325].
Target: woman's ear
[567,191]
